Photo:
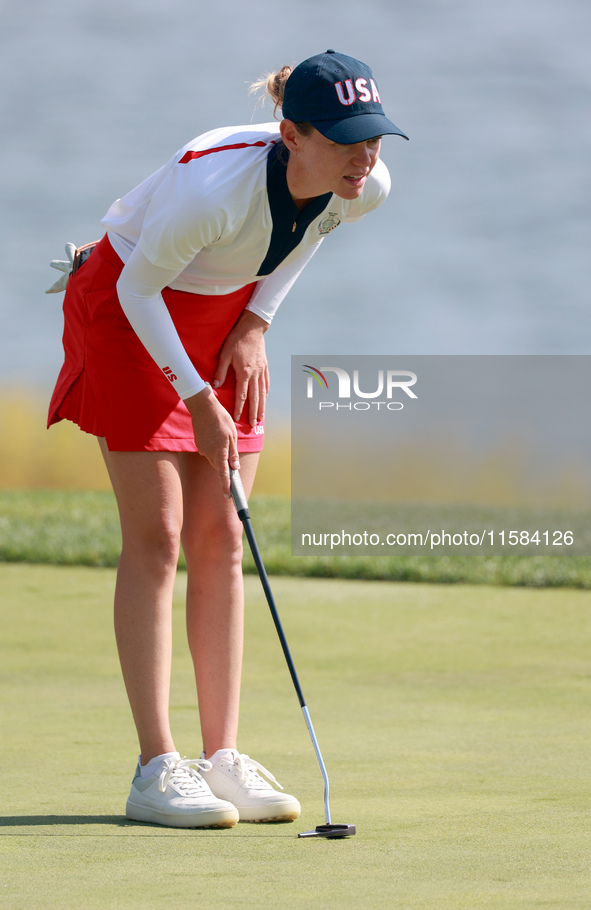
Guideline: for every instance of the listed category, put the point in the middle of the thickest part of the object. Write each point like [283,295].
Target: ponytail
[272,85]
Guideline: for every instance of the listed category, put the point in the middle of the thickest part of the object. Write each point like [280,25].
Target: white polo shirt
[206,219]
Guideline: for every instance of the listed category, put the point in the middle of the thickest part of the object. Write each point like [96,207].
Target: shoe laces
[184,776]
[247,769]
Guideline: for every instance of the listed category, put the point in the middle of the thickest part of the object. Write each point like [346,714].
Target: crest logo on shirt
[329,224]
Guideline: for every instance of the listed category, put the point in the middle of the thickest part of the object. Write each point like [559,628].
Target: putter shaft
[241,505]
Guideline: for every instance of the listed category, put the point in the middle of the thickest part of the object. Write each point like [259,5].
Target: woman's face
[319,165]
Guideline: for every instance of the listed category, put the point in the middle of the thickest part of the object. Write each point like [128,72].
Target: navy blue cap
[339,97]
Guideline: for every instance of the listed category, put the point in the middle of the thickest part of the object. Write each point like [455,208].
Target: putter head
[329,831]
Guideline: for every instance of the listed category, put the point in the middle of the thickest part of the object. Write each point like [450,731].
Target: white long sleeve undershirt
[140,293]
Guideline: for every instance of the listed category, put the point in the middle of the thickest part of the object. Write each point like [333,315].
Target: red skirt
[110,386]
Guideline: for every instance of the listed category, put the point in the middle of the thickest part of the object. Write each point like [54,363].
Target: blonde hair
[272,85]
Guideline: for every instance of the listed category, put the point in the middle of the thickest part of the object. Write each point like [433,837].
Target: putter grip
[238,494]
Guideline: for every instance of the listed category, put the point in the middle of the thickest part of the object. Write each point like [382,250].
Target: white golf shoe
[177,795]
[234,777]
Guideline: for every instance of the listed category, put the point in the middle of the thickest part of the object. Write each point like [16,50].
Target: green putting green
[453,721]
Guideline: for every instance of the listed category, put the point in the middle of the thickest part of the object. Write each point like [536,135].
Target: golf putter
[329,829]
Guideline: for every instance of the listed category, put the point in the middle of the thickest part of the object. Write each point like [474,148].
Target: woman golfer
[165,363]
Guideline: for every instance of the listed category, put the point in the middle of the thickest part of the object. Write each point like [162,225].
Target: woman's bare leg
[148,491]
[212,542]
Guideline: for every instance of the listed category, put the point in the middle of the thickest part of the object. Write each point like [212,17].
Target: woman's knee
[155,542]
[149,496]
[215,537]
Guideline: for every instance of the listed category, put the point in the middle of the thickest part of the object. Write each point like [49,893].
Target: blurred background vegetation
[56,506]
[31,458]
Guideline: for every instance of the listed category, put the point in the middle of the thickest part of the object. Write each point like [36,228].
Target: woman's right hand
[215,435]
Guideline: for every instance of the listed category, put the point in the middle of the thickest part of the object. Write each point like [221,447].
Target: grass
[453,721]
[81,528]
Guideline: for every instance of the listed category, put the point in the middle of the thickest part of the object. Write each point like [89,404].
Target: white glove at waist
[64,266]
[77,256]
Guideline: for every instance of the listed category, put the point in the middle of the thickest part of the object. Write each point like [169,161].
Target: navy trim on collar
[284,212]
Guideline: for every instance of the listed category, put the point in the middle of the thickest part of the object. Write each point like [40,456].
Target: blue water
[483,246]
